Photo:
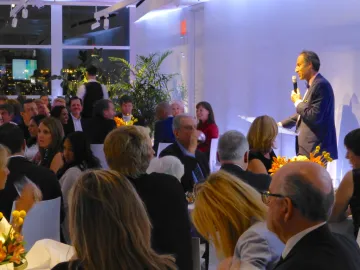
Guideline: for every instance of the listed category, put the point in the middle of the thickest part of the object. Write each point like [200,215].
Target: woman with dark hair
[60,113]
[50,139]
[32,147]
[109,226]
[78,157]
[348,193]
[207,125]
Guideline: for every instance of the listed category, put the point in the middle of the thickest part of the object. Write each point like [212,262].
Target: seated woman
[60,113]
[17,109]
[78,157]
[230,214]
[348,192]
[261,137]
[50,139]
[207,125]
[32,147]
[177,107]
[109,226]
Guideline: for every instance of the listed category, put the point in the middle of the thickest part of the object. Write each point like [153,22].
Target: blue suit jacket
[317,124]
[163,132]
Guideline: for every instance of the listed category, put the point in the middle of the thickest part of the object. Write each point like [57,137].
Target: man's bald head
[163,110]
[309,186]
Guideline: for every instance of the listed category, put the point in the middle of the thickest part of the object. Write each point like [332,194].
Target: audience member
[29,110]
[42,108]
[50,139]
[4,171]
[23,172]
[233,153]
[102,123]
[196,164]
[207,125]
[91,92]
[17,110]
[169,165]
[75,121]
[163,127]
[118,237]
[7,113]
[348,192]
[126,106]
[32,147]
[21,99]
[3,100]
[177,107]
[128,150]
[78,157]
[230,214]
[45,100]
[300,201]
[59,101]
[60,113]
[261,137]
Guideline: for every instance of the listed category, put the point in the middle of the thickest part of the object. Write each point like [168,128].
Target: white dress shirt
[77,123]
[82,89]
[307,90]
[297,237]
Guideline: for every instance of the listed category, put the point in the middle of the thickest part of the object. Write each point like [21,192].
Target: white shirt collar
[74,118]
[17,156]
[297,237]
[312,79]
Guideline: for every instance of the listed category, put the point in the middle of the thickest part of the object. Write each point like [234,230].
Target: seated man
[233,153]
[98,127]
[59,101]
[300,200]
[22,170]
[29,110]
[185,148]
[163,127]
[126,114]
[75,122]
[7,113]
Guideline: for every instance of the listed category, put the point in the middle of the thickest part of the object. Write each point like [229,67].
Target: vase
[9,266]
[21,266]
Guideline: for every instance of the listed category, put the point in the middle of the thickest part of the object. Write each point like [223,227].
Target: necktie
[198,174]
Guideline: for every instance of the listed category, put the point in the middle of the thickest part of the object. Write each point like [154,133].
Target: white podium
[286,147]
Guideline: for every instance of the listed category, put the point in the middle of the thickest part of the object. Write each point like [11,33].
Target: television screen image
[23,69]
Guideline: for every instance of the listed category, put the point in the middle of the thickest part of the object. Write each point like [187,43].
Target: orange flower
[16,258]
[120,122]
[2,252]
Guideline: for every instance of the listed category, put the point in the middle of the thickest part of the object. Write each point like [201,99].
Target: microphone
[294,81]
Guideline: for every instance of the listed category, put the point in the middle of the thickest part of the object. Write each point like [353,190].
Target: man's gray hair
[232,146]
[312,58]
[177,120]
[312,203]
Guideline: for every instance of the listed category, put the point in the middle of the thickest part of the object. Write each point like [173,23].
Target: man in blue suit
[314,117]
[163,127]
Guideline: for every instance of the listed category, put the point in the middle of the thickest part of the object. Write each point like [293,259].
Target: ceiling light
[25,13]
[95,25]
[14,22]
[106,23]
[12,5]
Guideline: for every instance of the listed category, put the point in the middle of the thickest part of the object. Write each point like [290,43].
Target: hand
[29,195]
[193,141]
[295,96]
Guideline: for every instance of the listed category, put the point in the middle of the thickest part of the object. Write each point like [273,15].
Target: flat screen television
[23,69]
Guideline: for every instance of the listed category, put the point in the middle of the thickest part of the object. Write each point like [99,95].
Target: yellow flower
[20,221]
[22,213]
[317,149]
[1,215]
[16,214]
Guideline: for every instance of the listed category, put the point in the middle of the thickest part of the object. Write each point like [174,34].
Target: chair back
[42,222]
[213,163]
[195,242]
[98,151]
[161,147]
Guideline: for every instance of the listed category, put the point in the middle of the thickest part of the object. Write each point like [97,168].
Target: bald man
[300,200]
[163,127]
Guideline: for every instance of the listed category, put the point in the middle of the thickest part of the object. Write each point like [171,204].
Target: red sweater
[211,131]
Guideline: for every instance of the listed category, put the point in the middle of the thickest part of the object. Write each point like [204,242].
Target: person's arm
[290,122]
[81,92]
[313,113]
[256,166]
[56,163]
[342,198]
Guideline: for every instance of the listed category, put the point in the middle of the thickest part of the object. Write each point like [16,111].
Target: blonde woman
[109,226]
[261,137]
[231,215]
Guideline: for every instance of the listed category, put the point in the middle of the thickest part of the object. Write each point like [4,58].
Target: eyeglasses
[265,196]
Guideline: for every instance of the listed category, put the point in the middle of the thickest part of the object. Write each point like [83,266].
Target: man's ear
[246,157]
[287,208]
[22,114]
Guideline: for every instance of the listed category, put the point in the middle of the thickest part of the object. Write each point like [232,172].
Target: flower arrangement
[322,159]
[12,242]
[121,122]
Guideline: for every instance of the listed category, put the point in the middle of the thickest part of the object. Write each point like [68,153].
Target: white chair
[98,151]
[213,164]
[42,222]
[195,242]
[213,259]
[161,147]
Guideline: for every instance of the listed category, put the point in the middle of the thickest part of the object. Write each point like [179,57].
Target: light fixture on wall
[14,22]
[106,22]
[25,12]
